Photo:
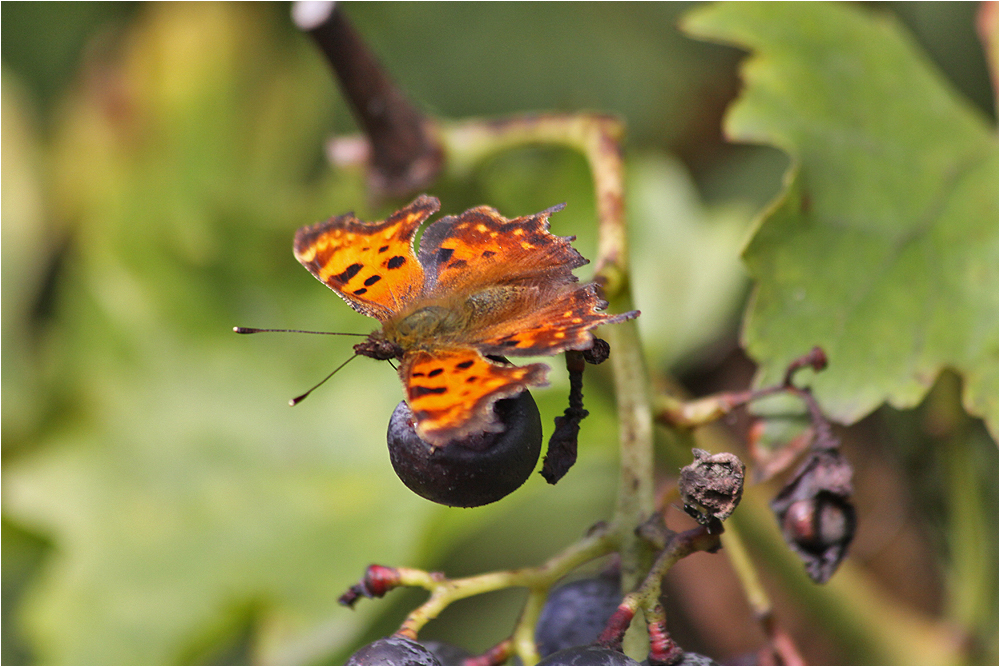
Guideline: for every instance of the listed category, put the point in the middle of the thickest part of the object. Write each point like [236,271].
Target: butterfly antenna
[299,399]
[251,330]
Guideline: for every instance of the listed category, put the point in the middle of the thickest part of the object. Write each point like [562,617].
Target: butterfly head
[377,346]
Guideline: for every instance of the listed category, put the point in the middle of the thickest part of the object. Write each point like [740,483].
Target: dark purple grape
[447,654]
[475,471]
[588,655]
[576,613]
[695,659]
[394,650]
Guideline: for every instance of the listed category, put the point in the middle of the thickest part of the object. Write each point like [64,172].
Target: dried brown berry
[816,518]
[711,487]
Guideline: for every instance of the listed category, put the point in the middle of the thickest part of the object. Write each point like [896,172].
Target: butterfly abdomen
[426,326]
[496,303]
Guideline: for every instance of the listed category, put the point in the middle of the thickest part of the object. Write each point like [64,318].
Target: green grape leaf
[882,249]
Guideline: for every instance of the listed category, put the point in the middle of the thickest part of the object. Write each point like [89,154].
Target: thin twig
[404,155]
[647,595]
[677,413]
[780,641]
[538,579]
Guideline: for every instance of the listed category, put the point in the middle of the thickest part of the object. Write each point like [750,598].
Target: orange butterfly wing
[371,265]
[519,280]
[480,248]
[451,391]
[563,321]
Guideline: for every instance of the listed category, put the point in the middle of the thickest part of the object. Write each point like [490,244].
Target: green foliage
[161,502]
[883,247]
[185,498]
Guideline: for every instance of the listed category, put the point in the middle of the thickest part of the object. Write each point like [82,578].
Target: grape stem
[601,541]
[538,581]
[498,655]
[781,646]
[677,413]
[647,595]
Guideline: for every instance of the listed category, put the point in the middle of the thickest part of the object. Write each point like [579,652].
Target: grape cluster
[574,617]
[588,655]
[576,613]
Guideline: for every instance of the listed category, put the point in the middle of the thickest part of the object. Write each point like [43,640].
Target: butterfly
[480,289]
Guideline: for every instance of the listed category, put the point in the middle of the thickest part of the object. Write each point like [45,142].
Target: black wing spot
[349,273]
[444,254]
[359,292]
[458,264]
[396,262]
[465,364]
[417,375]
[419,390]
[371,281]
[383,249]
[472,379]
[487,254]
[434,373]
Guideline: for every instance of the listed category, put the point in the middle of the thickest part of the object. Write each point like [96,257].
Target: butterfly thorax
[425,326]
[451,320]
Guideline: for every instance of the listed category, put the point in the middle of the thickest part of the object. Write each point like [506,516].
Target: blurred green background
[162,504]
